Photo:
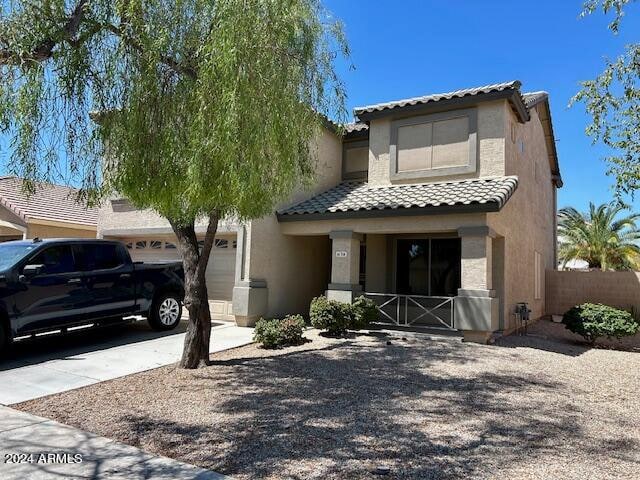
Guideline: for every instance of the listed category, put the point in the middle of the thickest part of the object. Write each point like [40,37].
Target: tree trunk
[196,299]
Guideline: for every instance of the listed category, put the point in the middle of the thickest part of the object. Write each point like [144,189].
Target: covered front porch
[444,280]
[424,252]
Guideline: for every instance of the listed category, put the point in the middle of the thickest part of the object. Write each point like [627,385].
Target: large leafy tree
[204,109]
[612,100]
[603,237]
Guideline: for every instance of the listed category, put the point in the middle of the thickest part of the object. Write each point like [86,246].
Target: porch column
[476,306]
[345,266]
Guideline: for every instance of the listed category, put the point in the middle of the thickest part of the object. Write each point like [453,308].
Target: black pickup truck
[57,284]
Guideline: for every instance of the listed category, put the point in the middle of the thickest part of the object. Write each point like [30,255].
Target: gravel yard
[527,408]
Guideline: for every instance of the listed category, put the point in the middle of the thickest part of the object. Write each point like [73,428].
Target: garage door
[220,273]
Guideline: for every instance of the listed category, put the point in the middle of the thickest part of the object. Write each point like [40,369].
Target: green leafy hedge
[337,317]
[275,333]
[594,320]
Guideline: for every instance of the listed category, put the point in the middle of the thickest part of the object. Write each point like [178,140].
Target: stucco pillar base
[476,311]
[250,300]
[474,336]
[343,293]
[242,321]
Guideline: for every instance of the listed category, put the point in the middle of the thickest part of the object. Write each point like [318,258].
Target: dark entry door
[428,266]
[412,272]
[427,270]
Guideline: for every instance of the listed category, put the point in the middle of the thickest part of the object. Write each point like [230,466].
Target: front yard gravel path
[530,407]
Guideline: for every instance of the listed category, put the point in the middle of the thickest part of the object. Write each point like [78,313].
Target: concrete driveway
[57,363]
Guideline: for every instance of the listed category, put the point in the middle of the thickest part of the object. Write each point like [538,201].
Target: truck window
[54,260]
[100,256]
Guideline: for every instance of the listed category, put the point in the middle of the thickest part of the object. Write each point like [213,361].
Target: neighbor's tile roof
[359,196]
[49,202]
[497,87]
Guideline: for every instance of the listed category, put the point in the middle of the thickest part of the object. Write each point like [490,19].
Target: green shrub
[291,328]
[337,317]
[596,320]
[267,332]
[364,311]
[329,315]
[274,333]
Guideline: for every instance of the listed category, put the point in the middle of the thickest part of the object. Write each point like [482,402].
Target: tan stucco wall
[400,224]
[48,231]
[491,147]
[139,220]
[476,264]
[527,220]
[377,264]
[295,269]
[566,289]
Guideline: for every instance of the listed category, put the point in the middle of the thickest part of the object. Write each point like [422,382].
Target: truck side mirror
[30,271]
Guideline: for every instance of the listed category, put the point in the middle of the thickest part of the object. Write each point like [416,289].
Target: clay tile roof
[49,202]
[468,92]
[348,198]
[355,127]
[531,99]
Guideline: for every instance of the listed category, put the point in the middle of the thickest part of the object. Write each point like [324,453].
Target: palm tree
[599,238]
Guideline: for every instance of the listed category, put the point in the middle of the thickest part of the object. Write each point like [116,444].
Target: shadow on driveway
[32,351]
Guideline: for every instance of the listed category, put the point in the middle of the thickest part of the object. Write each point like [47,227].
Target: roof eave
[547,126]
[393,212]
[512,95]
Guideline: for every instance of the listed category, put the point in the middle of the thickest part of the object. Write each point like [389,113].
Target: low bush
[337,317]
[291,328]
[596,320]
[329,315]
[274,333]
[364,311]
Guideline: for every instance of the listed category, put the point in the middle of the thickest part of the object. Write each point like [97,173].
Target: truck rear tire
[165,312]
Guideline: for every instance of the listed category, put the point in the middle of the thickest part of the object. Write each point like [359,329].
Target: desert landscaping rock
[529,407]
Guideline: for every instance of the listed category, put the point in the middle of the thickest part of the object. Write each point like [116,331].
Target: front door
[428,271]
[412,272]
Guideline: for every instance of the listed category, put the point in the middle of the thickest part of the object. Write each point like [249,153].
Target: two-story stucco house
[441,208]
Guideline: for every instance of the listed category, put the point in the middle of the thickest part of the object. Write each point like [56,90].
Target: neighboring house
[442,208]
[50,212]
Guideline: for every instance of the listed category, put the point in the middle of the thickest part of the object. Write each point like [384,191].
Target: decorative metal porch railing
[408,310]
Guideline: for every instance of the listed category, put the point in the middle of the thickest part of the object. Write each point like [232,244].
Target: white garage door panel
[220,275]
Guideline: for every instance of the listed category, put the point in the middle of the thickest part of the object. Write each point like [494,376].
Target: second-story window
[434,145]
[355,160]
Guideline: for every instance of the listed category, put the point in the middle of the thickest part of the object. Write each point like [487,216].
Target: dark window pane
[100,257]
[58,259]
[413,267]
[445,266]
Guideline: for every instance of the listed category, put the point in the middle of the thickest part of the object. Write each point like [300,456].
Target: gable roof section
[358,199]
[507,90]
[50,202]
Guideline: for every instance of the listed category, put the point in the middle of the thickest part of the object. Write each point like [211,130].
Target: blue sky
[409,48]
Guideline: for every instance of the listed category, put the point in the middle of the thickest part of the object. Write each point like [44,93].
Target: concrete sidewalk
[54,369]
[47,450]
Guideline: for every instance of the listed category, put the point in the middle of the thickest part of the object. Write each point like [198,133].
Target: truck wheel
[165,312]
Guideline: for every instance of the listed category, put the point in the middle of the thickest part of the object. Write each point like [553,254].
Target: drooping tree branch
[44,50]
[68,33]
